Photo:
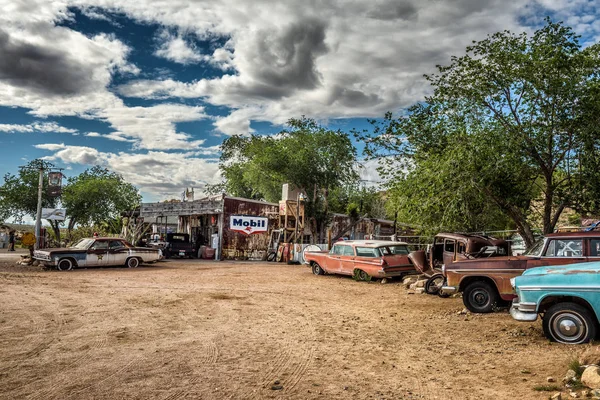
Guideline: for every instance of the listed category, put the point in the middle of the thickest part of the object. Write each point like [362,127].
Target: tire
[271,256]
[480,297]
[363,276]
[132,262]
[64,264]
[569,323]
[434,284]
[317,270]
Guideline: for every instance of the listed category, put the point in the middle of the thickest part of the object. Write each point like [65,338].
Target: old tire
[317,270]
[480,297]
[434,284]
[271,256]
[569,323]
[363,276]
[132,262]
[64,264]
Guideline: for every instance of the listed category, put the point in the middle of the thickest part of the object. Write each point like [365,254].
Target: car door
[347,260]
[97,254]
[334,259]
[117,253]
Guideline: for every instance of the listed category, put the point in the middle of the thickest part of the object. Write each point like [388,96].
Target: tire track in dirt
[44,331]
[55,385]
[293,359]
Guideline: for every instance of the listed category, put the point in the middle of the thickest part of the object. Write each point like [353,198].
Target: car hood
[570,269]
[61,250]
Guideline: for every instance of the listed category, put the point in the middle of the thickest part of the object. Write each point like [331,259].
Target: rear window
[367,252]
[399,249]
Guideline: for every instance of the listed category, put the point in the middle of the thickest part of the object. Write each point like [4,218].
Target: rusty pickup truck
[485,282]
[363,259]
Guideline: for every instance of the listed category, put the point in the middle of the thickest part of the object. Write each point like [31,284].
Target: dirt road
[204,330]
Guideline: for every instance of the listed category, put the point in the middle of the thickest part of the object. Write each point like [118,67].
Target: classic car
[450,247]
[179,245]
[485,282]
[97,252]
[567,297]
[364,259]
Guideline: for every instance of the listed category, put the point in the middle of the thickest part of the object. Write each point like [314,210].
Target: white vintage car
[97,252]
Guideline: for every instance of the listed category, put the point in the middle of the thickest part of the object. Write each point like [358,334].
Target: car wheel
[434,284]
[363,276]
[132,262]
[569,323]
[480,297]
[64,264]
[317,270]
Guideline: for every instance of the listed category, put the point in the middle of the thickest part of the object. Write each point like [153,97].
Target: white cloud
[156,173]
[175,48]
[37,127]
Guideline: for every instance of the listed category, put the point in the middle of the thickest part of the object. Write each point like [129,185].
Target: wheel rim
[132,263]
[480,298]
[435,284]
[363,275]
[568,327]
[64,265]
[317,270]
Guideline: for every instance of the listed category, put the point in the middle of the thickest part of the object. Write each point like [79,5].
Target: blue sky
[150,89]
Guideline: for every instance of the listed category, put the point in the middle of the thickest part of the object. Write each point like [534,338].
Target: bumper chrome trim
[525,314]
[447,290]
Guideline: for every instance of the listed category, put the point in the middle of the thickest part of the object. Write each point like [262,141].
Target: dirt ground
[206,330]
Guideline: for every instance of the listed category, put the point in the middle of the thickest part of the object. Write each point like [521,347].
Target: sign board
[56,214]
[248,224]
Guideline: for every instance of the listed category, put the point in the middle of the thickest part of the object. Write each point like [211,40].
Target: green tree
[507,124]
[98,197]
[305,155]
[19,193]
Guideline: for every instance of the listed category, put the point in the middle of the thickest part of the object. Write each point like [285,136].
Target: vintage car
[485,282]
[97,252]
[179,245]
[568,298]
[364,259]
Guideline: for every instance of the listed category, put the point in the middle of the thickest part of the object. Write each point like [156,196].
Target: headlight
[512,282]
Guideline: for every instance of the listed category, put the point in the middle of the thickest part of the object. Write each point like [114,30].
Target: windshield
[536,249]
[83,244]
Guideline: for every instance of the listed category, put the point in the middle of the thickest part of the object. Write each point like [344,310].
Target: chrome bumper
[525,312]
[448,290]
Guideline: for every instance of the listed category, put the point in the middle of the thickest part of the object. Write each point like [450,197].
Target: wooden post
[219,250]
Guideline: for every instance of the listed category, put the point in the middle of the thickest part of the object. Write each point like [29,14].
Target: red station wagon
[364,259]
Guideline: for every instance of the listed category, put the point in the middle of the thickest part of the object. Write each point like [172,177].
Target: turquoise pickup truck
[567,297]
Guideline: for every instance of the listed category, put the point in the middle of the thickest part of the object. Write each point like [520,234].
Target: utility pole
[38,217]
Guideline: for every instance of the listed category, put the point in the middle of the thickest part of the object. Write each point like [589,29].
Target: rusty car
[97,252]
[363,259]
[450,247]
[485,282]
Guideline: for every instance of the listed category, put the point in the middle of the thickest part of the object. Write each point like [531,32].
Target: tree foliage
[95,197]
[306,155]
[19,193]
[98,197]
[506,129]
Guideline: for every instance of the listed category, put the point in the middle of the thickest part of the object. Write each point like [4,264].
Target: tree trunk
[548,226]
[70,228]
[55,229]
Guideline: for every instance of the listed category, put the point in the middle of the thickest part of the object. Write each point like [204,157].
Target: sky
[150,88]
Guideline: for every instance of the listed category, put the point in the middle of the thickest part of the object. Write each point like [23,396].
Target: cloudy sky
[151,88]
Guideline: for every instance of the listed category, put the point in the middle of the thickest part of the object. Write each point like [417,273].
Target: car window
[449,246]
[462,248]
[367,252]
[399,249]
[348,250]
[115,244]
[595,247]
[564,248]
[337,250]
[100,245]
[83,244]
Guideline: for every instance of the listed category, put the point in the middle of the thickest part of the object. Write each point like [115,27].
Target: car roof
[370,243]
[574,234]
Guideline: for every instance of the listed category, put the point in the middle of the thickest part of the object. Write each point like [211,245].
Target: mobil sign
[248,224]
